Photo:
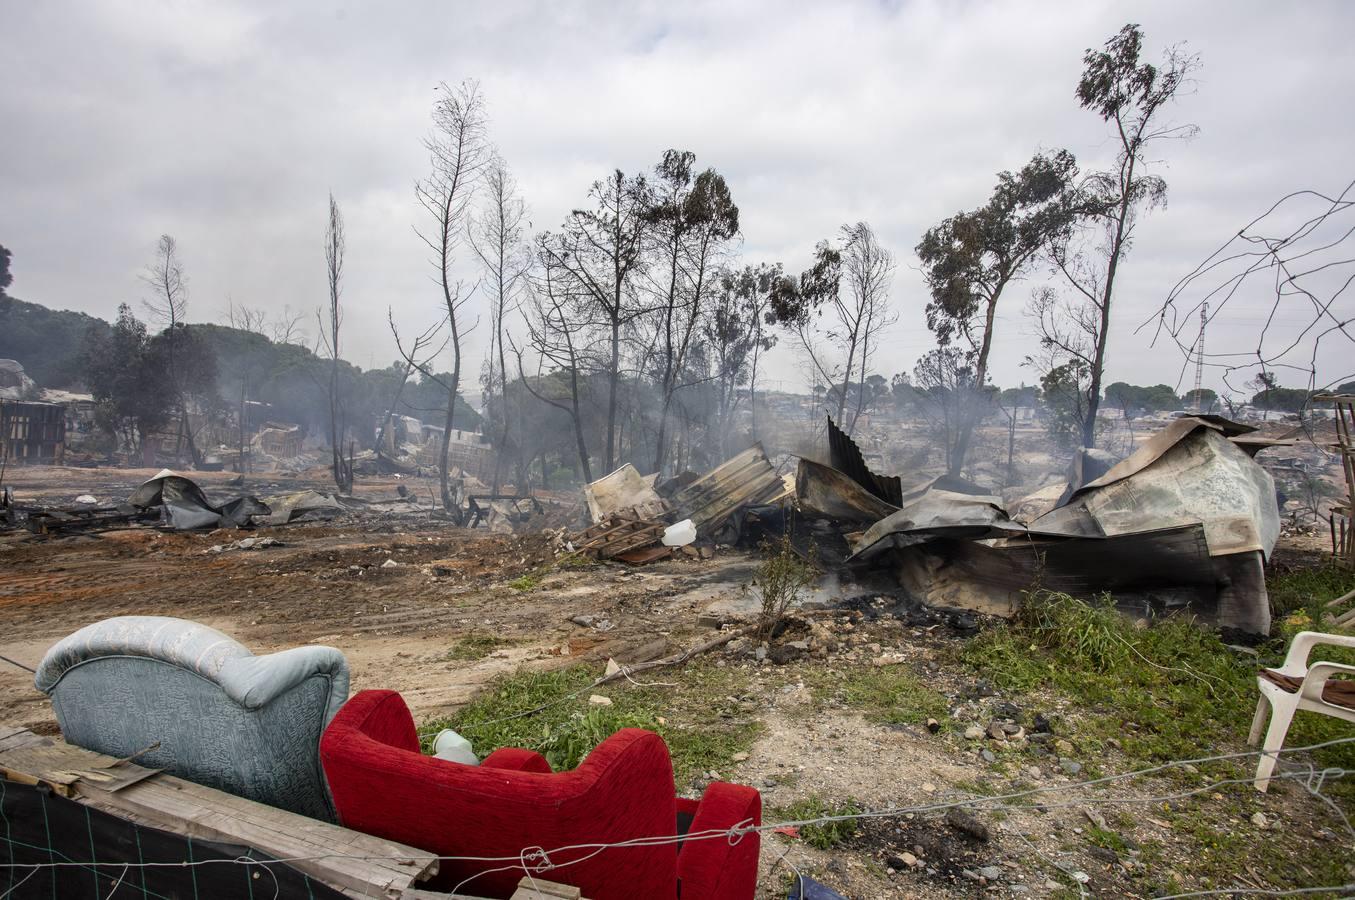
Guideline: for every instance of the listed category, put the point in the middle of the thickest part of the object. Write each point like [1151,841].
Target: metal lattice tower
[1199,358]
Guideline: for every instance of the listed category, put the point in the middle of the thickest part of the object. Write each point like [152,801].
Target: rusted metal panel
[1188,472]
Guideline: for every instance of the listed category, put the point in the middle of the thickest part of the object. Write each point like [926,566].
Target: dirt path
[395,602]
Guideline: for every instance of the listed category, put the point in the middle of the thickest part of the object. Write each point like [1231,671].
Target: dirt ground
[396,594]
[331,583]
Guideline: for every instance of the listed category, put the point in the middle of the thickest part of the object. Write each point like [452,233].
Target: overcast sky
[227,124]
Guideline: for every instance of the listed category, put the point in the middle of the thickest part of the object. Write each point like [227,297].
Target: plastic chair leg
[1258,721]
[1280,717]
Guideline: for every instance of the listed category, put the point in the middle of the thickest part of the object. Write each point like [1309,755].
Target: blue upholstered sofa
[223,717]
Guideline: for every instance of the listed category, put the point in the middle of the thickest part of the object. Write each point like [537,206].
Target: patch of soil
[943,853]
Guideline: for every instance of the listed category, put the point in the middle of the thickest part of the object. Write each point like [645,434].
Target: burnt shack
[32,433]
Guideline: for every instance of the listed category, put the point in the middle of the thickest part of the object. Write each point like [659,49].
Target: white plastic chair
[1283,704]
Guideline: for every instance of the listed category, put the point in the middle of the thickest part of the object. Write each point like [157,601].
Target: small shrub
[525,583]
[778,582]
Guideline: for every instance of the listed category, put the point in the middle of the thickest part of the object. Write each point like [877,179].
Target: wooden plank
[60,765]
[341,857]
[545,890]
[644,555]
[530,888]
[320,849]
[18,737]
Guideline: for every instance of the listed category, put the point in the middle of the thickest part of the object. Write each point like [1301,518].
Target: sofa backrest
[222,717]
[384,786]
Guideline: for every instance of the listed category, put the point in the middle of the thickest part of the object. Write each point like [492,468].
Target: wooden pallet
[617,534]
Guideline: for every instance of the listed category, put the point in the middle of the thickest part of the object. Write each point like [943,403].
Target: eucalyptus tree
[496,236]
[558,348]
[1131,96]
[458,152]
[839,330]
[970,258]
[331,324]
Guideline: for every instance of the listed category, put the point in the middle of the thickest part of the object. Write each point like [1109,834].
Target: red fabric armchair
[384,786]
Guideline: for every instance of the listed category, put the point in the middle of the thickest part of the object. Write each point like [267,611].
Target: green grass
[824,836]
[700,726]
[1169,692]
[477,646]
[886,695]
[1223,843]
[1307,590]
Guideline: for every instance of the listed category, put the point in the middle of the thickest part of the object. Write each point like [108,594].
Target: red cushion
[383,785]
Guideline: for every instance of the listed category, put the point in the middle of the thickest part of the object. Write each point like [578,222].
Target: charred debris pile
[1186,522]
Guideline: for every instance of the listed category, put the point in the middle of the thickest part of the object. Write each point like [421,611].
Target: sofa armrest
[720,867]
[380,716]
[255,681]
[516,759]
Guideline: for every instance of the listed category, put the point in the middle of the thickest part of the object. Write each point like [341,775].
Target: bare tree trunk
[970,408]
[389,418]
[1099,361]
[243,463]
[334,251]
[613,382]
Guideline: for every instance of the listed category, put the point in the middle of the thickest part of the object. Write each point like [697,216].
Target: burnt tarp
[187,507]
[845,456]
[1184,522]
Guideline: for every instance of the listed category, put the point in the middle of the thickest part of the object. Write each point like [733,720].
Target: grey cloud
[227,124]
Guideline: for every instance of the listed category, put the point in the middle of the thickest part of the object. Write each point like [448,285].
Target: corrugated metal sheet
[845,456]
[747,479]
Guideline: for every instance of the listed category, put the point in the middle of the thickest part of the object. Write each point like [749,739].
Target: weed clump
[525,583]
[1087,633]
[568,728]
[824,835]
[477,646]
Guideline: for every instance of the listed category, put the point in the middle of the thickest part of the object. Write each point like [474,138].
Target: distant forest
[74,351]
